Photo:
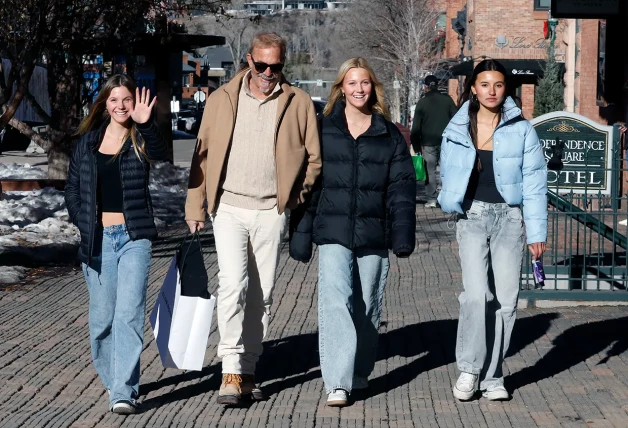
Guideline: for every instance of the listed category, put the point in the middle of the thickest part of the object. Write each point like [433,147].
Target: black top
[109,195]
[482,181]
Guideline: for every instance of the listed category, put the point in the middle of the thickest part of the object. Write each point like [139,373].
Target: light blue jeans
[350,293]
[491,241]
[117,280]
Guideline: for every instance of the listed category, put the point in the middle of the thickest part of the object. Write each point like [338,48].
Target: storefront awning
[514,67]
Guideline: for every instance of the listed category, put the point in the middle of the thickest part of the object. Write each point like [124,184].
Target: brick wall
[586,67]
[514,19]
[527,100]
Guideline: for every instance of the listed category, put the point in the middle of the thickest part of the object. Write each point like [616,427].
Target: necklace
[116,137]
[487,141]
[359,126]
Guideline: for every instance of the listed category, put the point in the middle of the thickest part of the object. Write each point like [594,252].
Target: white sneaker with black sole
[466,386]
[124,407]
[338,398]
[496,393]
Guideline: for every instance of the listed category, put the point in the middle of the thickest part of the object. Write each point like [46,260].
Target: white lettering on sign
[585,150]
[573,177]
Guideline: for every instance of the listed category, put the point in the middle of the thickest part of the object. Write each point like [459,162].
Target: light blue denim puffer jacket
[518,162]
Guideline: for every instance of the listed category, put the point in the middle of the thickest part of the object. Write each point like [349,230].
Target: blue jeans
[491,242]
[117,280]
[350,293]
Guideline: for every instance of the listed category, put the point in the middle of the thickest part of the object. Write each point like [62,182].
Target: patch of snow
[15,171]
[35,226]
[12,274]
[28,207]
[168,189]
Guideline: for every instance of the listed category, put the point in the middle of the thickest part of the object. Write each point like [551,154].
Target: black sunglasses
[261,67]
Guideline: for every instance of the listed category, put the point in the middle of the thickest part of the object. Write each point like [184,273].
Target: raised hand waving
[143,106]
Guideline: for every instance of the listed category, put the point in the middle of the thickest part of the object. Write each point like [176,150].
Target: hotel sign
[584,8]
[580,150]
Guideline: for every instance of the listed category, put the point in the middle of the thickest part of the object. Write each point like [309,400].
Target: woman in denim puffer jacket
[492,169]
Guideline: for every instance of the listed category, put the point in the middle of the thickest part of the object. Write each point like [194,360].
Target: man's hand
[537,249]
[195,225]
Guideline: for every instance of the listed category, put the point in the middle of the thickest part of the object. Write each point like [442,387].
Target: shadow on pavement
[294,360]
[574,346]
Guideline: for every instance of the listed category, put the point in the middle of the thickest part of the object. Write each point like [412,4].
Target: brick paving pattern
[567,366]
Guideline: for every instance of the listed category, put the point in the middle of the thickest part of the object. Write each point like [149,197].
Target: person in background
[492,167]
[364,204]
[405,131]
[257,156]
[107,198]
[431,115]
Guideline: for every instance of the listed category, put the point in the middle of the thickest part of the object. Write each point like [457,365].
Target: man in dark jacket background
[431,115]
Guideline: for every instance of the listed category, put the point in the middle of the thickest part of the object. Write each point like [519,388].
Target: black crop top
[482,185]
[109,194]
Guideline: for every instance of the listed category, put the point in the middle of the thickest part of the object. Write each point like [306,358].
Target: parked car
[187,120]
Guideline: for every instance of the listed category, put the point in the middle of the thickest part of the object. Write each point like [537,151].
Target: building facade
[266,7]
[516,34]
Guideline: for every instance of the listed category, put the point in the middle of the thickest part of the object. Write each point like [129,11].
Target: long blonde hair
[98,113]
[376,100]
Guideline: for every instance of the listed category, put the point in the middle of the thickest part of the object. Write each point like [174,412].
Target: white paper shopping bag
[181,324]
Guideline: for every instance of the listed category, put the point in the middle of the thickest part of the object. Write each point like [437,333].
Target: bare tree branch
[22,88]
[28,131]
[45,118]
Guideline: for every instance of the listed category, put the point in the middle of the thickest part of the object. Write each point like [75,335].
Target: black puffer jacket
[80,189]
[365,197]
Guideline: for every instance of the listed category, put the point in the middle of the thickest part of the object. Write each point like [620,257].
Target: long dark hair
[474,104]
[98,112]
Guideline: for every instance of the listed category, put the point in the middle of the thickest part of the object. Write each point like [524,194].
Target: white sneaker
[496,393]
[337,398]
[466,386]
[360,383]
[124,407]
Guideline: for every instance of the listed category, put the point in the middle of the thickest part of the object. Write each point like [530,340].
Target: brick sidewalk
[569,365]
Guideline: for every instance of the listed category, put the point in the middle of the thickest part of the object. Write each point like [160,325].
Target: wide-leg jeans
[350,293]
[491,242]
[117,280]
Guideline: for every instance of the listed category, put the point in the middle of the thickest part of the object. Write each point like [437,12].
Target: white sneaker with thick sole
[337,398]
[496,393]
[466,386]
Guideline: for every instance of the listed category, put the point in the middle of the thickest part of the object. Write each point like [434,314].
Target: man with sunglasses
[257,156]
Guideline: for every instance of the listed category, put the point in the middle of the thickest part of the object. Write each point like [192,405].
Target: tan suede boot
[230,392]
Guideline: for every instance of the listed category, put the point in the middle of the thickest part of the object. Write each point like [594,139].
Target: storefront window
[542,4]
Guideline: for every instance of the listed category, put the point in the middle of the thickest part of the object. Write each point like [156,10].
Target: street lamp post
[459,25]
[553,22]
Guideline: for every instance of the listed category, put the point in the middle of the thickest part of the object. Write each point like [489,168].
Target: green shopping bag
[419,167]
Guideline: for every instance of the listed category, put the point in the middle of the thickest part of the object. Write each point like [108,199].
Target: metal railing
[586,245]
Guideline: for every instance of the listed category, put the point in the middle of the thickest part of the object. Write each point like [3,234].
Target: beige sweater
[250,177]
